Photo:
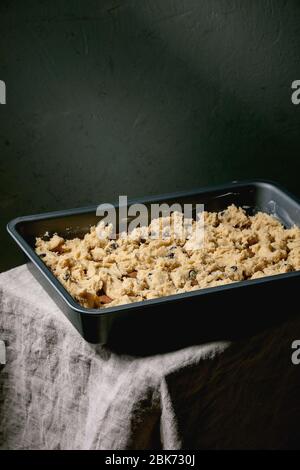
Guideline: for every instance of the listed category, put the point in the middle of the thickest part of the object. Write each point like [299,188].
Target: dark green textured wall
[143,97]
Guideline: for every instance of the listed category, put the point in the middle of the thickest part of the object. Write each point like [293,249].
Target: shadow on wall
[141,98]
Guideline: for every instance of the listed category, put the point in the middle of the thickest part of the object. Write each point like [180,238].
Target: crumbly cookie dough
[102,273]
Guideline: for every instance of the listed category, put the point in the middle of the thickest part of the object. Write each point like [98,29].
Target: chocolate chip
[170,255]
[110,248]
[192,274]
[143,240]
[42,255]
[234,268]
[66,276]
[100,292]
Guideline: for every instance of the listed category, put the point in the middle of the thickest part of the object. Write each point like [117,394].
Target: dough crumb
[101,273]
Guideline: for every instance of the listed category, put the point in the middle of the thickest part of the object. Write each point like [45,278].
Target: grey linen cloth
[59,392]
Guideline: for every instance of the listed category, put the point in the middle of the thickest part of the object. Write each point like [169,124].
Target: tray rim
[75,306]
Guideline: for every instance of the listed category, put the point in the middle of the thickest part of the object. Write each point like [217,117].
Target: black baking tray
[225,312]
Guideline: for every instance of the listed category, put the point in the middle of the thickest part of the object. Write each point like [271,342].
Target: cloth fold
[59,392]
